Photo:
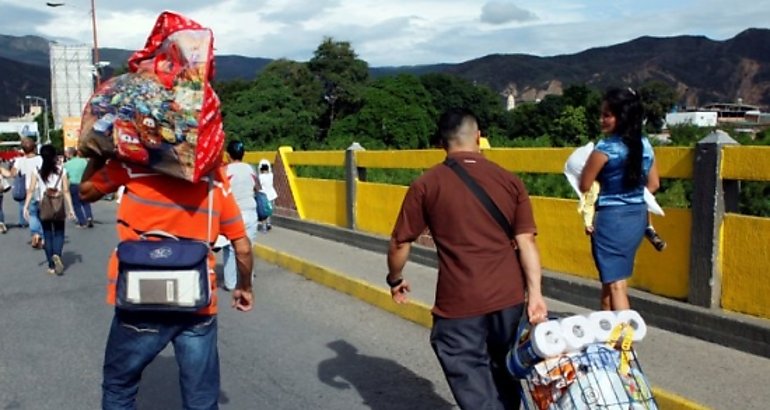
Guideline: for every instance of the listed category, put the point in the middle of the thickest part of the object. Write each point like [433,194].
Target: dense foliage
[330,102]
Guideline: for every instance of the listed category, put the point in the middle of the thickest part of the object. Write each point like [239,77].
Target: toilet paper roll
[547,339]
[603,323]
[634,319]
[577,331]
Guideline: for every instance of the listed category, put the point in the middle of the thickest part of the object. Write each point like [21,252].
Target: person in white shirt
[243,185]
[266,186]
[28,165]
[51,175]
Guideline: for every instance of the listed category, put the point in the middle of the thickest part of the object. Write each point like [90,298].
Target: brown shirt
[479,271]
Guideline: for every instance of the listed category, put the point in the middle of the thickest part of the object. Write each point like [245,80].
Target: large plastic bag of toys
[163,114]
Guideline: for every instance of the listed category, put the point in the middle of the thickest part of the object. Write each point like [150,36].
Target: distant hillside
[17,80]
[377,72]
[28,49]
[702,70]
[230,67]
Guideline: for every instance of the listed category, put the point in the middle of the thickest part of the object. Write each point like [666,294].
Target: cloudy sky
[393,32]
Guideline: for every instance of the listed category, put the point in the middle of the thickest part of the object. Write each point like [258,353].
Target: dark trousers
[53,234]
[472,354]
[82,209]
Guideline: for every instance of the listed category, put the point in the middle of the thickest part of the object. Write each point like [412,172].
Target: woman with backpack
[50,187]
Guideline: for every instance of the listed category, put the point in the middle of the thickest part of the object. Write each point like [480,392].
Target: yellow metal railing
[564,247]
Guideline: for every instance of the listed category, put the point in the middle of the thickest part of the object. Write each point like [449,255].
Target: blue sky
[394,32]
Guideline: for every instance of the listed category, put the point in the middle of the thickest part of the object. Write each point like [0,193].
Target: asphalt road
[303,345]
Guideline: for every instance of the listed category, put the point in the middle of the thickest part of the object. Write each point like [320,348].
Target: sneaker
[58,266]
[90,223]
[51,272]
[3,228]
[655,239]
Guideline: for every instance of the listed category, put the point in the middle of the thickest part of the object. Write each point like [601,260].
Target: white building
[697,118]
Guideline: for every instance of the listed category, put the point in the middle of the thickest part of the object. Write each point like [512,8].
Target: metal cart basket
[604,376]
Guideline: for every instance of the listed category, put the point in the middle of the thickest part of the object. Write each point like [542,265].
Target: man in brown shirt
[482,280]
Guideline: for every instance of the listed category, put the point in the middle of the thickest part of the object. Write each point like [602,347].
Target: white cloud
[393,32]
[501,12]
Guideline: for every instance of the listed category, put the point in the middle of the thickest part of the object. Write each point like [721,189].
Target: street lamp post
[45,117]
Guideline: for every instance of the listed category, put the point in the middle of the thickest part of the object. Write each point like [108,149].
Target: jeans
[2,215]
[228,257]
[472,352]
[22,220]
[35,227]
[82,209]
[137,337]
[53,234]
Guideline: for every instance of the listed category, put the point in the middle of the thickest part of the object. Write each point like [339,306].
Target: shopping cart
[604,376]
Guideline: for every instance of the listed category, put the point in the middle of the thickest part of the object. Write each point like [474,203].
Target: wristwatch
[394,283]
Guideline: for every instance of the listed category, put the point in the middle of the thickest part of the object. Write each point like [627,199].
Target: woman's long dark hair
[626,106]
[48,153]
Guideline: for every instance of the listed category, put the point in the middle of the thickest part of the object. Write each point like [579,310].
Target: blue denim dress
[621,214]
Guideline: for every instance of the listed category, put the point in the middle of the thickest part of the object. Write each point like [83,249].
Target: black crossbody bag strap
[481,195]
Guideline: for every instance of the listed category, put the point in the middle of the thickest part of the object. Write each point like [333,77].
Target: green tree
[525,122]
[449,91]
[570,128]
[396,112]
[657,98]
[342,74]
[301,81]
[267,115]
[591,100]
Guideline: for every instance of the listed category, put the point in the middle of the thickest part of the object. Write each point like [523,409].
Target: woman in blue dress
[623,163]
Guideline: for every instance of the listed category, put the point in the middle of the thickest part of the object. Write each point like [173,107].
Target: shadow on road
[381,383]
[71,258]
[159,388]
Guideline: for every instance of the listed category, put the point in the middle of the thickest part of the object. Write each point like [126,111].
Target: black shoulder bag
[481,195]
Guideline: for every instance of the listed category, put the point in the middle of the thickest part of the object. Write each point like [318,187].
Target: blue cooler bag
[264,207]
[169,274]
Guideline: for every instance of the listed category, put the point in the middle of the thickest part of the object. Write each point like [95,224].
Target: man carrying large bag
[175,189]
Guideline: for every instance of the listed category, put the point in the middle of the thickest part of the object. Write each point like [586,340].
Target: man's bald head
[458,128]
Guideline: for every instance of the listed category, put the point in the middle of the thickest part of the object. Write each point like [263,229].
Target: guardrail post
[711,198]
[352,174]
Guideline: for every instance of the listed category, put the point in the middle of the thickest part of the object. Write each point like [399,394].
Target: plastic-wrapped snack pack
[163,114]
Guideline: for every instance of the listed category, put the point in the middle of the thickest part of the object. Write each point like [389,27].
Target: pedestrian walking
[25,167]
[75,167]
[623,163]
[487,276]
[243,185]
[156,202]
[51,180]
[5,186]
[266,187]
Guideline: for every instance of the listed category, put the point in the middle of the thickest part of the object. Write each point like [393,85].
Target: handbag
[19,190]
[168,274]
[264,207]
[52,203]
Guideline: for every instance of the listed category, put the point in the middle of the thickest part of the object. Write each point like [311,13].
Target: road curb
[413,311]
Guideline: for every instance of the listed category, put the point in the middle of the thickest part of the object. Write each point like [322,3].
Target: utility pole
[96,44]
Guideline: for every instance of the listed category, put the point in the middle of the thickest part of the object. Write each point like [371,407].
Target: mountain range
[702,70]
